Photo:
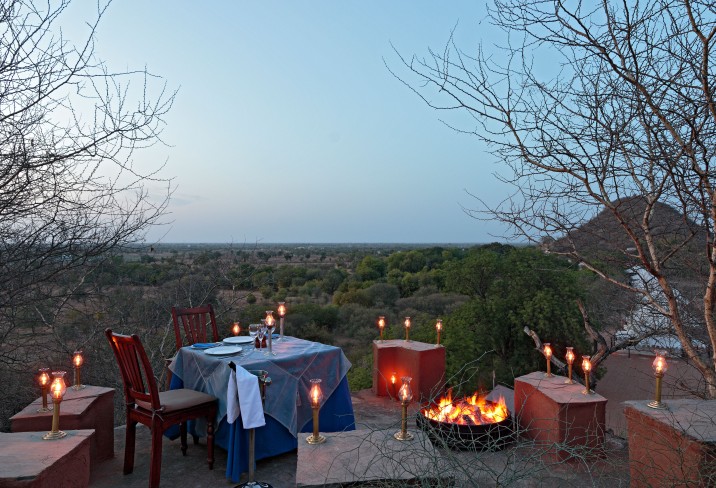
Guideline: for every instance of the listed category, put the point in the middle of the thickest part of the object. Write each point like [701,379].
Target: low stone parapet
[29,461]
[424,363]
[558,416]
[89,408]
[672,447]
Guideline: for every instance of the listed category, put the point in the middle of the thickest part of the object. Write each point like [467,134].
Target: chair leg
[182,431]
[210,440]
[129,438]
[155,468]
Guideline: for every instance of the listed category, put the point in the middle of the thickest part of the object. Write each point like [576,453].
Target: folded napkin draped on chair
[244,398]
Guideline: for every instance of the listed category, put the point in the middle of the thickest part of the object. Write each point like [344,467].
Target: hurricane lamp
[316,397]
[660,366]
[547,351]
[78,360]
[270,322]
[44,379]
[438,328]
[405,395]
[569,357]
[381,326]
[281,314]
[57,390]
[236,328]
[587,368]
[406,324]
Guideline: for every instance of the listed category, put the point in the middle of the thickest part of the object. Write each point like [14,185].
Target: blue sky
[289,128]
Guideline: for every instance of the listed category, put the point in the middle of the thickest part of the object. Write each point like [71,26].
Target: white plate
[223,350]
[239,340]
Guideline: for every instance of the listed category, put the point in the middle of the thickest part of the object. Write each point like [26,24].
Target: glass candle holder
[315,395]
[405,395]
[57,390]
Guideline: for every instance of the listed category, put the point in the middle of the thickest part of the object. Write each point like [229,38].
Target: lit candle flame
[57,388]
[586,364]
[281,309]
[236,329]
[381,321]
[44,378]
[392,378]
[439,325]
[570,355]
[77,359]
[407,322]
[547,350]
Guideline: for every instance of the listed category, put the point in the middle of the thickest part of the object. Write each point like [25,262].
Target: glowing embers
[471,422]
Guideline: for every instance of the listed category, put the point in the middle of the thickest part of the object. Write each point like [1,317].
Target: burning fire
[472,410]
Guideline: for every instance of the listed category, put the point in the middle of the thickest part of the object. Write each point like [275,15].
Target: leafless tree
[70,193]
[604,114]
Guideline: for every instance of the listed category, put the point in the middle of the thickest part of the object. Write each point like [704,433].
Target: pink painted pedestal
[28,461]
[89,408]
[425,363]
[554,413]
[674,447]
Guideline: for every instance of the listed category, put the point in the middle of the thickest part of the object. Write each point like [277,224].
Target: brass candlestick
[58,389]
[78,361]
[316,396]
[438,328]
[405,395]
[548,355]
[406,323]
[381,326]
[586,367]
[659,365]
[44,380]
[570,359]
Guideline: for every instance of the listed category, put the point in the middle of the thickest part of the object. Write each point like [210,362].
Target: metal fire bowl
[484,437]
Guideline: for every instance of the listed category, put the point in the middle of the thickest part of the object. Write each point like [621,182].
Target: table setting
[291,363]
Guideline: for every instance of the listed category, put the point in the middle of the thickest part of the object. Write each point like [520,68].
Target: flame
[472,410]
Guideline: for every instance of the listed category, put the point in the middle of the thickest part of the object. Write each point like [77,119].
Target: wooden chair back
[137,374]
[191,325]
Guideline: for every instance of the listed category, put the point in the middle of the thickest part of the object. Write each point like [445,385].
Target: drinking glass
[261,335]
[253,332]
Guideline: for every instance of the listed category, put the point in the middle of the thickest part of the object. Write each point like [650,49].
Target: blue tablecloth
[288,410]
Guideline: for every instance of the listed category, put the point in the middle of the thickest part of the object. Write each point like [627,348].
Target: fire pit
[467,423]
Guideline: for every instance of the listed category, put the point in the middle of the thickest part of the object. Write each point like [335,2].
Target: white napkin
[243,398]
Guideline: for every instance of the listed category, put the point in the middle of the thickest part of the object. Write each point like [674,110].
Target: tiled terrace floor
[521,466]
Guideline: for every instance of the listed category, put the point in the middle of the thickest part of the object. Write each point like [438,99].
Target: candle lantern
[587,368]
[438,328]
[547,350]
[44,379]
[281,314]
[405,395]
[78,360]
[270,324]
[570,360]
[659,365]
[316,397]
[406,324]
[381,326]
[57,390]
[236,328]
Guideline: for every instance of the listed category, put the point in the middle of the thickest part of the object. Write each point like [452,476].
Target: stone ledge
[29,461]
[89,408]
[364,455]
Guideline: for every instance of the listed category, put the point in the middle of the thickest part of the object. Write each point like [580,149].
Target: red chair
[158,411]
[191,325]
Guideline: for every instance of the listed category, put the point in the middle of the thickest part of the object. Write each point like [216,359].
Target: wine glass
[253,332]
[261,334]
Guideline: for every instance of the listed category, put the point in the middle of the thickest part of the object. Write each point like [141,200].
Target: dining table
[287,410]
